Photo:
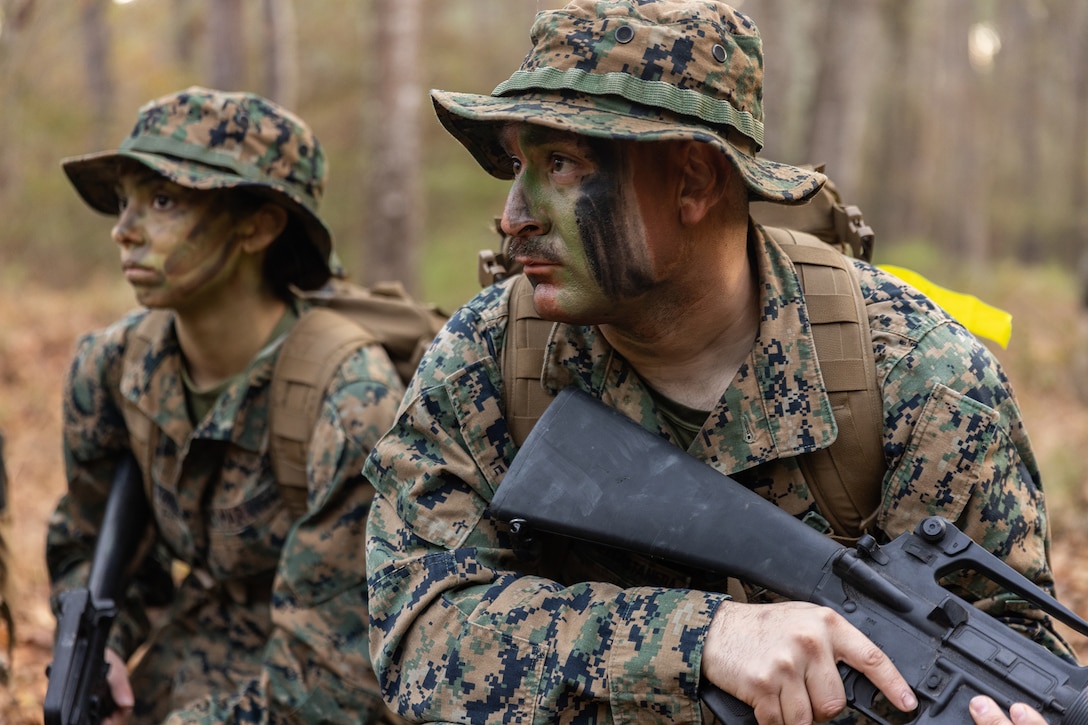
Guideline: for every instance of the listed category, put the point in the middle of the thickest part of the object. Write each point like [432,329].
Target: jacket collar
[156,388]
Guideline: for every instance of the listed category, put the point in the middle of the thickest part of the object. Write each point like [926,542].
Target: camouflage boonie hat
[201,138]
[641,71]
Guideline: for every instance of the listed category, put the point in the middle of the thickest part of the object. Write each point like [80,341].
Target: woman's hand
[120,689]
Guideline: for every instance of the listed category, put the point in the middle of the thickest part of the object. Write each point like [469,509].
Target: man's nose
[518,218]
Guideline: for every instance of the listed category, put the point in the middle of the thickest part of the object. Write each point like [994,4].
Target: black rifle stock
[588,472]
[78,693]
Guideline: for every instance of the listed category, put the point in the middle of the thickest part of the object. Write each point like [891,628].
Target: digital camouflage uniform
[462,628]
[269,623]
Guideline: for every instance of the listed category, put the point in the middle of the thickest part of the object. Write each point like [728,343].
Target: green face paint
[174,241]
[576,222]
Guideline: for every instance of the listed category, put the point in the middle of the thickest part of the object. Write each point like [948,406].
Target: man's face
[587,216]
[176,243]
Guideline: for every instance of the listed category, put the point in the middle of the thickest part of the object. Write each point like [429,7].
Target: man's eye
[122,203]
[560,164]
[162,201]
[515,164]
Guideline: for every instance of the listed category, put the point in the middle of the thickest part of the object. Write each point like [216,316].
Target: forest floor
[38,329]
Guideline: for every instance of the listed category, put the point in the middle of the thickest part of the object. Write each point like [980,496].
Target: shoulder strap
[311,354]
[845,477]
[523,361]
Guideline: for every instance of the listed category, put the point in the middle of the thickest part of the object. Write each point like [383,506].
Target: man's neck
[690,350]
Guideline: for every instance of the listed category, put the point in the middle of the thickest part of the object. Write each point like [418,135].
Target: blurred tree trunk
[13,92]
[1078,142]
[100,85]
[393,224]
[784,28]
[186,29]
[891,199]
[1020,68]
[961,212]
[848,51]
[280,52]
[226,34]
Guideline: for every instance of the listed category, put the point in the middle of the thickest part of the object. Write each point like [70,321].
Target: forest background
[958,126]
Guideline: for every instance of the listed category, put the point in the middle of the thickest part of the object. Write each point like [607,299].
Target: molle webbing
[313,351]
[523,361]
[845,478]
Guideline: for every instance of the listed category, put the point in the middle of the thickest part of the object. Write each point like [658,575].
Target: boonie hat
[641,71]
[202,138]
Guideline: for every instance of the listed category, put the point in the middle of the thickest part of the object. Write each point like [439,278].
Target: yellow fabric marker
[980,318]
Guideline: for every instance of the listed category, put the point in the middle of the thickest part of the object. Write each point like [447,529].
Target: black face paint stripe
[606,226]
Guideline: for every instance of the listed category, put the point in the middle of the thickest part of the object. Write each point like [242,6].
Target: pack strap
[523,362]
[845,477]
[315,348]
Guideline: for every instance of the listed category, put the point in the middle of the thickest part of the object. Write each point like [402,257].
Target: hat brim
[95,178]
[474,120]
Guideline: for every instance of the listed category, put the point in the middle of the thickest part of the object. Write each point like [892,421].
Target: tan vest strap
[314,350]
[845,478]
[523,362]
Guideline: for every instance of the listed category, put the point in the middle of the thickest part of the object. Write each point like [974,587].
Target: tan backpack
[819,236]
[343,317]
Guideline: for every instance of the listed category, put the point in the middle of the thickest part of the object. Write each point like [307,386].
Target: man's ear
[262,227]
[704,172]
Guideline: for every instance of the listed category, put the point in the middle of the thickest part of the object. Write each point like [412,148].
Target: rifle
[78,692]
[587,471]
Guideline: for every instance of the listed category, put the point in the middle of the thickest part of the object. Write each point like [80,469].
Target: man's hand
[120,689]
[984,711]
[782,659]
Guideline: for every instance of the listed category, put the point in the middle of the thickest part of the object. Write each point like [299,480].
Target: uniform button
[624,34]
[719,53]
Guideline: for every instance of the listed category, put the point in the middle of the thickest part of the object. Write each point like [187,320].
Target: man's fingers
[870,660]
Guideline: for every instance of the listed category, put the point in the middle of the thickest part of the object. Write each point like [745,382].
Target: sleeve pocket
[942,462]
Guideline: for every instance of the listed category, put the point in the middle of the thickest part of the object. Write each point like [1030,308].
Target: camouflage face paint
[174,241]
[610,225]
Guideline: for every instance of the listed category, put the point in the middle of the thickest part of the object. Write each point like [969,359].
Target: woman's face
[176,242]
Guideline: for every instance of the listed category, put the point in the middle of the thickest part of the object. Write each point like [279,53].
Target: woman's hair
[291,260]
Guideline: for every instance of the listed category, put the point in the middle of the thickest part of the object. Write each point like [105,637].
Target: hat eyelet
[624,34]
[719,53]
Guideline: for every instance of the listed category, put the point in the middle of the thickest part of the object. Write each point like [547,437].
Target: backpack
[819,237]
[342,317]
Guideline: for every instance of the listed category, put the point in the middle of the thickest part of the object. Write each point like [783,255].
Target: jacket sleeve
[317,662]
[957,448]
[94,438]
[464,630]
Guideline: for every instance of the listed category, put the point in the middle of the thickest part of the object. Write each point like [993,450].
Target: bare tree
[96,48]
[227,37]
[394,202]
[186,30]
[848,51]
[280,52]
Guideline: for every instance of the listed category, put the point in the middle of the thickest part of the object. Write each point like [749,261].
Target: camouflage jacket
[464,630]
[294,649]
